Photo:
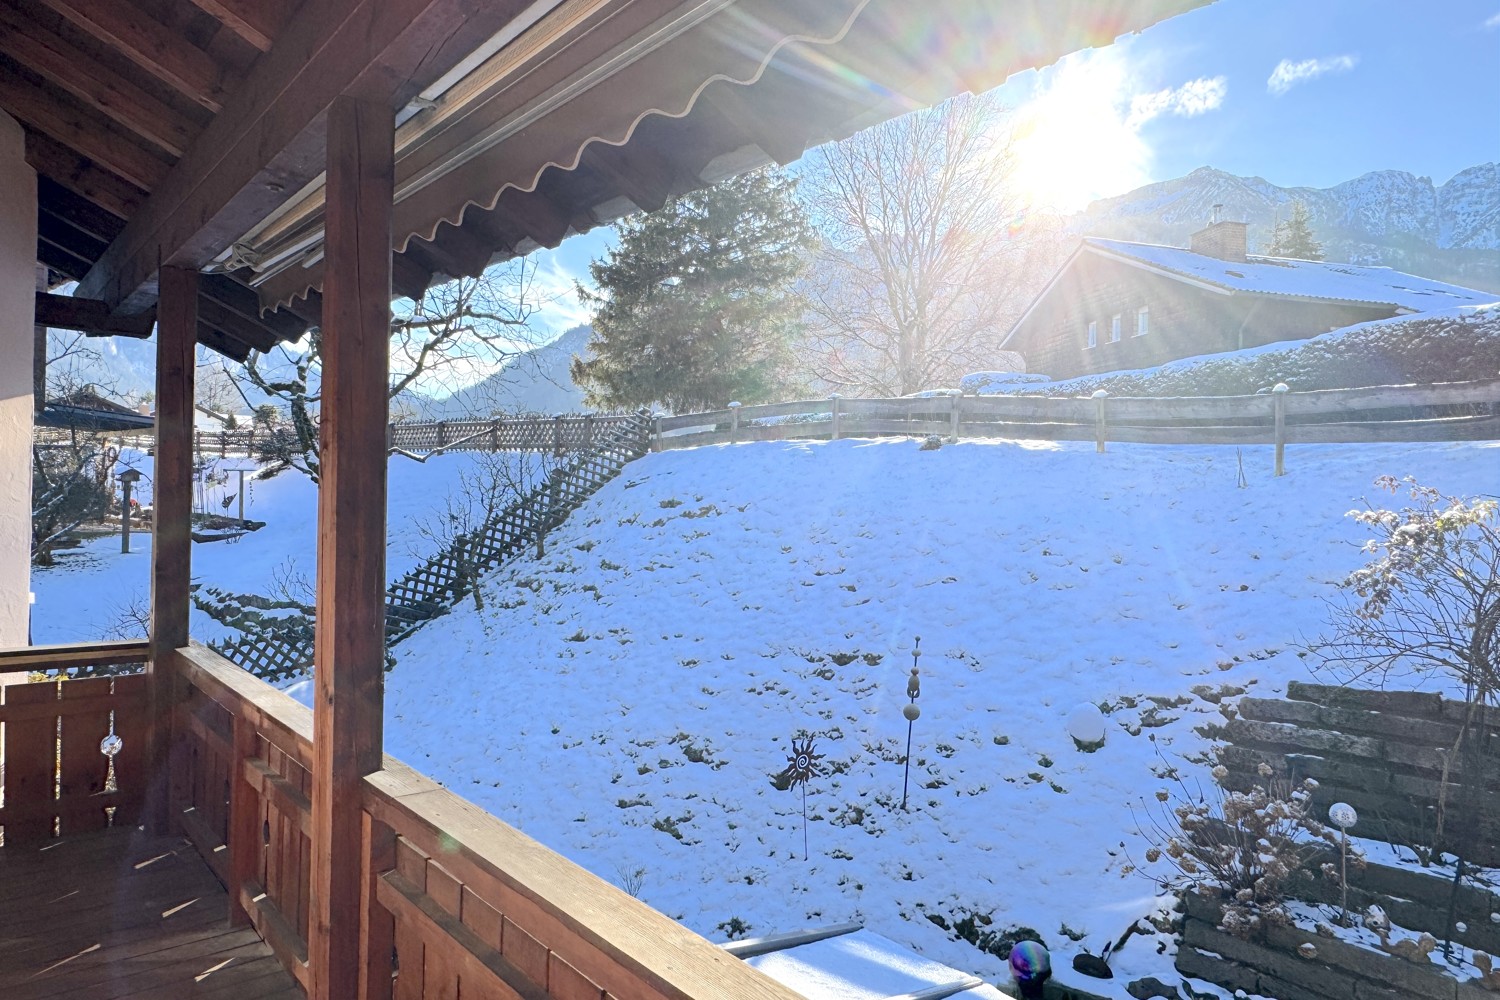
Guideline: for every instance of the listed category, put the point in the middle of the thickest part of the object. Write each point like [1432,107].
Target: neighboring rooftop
[1302,279]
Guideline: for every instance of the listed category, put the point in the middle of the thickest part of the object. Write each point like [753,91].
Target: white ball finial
[1281,387]
[1342,815]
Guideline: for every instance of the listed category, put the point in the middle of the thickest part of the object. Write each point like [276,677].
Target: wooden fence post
[1279,395]
[734,423]
[588,431]
[557,436]
[494,435]
[1099,397]
[656,431]
[954,400]
[834,398]
[442,433]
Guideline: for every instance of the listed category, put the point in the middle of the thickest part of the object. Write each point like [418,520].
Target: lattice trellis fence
[437,584]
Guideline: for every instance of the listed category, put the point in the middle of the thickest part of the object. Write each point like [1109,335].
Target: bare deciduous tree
[461,330]
[923,264]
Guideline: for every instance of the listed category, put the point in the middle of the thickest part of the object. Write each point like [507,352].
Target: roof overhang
[518,123]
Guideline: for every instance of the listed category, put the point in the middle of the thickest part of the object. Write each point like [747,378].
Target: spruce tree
[1294,237]
[695,308]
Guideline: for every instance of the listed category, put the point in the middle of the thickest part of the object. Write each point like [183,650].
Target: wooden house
[236,170]
[1116,305]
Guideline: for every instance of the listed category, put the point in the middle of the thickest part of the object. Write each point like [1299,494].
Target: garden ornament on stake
[912,713]
[801,765]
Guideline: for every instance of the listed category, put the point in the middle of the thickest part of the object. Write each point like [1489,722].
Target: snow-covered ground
[95,591]
[628,698]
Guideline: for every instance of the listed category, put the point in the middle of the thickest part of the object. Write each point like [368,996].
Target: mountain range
[1448,231]
[534,382]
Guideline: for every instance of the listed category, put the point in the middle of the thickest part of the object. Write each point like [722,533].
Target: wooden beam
[150,44]
[349,647]
[78,127]
[101,88]
[89,316]
[171,538]
[256,21]
[82,176]
[268,141]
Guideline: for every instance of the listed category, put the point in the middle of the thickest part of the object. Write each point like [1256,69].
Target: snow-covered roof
[1304,279]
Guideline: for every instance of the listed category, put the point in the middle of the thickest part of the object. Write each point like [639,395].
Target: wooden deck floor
[119,914]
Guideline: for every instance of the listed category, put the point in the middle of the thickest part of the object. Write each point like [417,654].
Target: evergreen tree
[695,307]
[1294,237]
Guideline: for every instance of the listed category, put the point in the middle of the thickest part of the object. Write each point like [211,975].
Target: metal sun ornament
[802,766]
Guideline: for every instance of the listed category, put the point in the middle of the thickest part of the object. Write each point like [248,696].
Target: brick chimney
[1221,238]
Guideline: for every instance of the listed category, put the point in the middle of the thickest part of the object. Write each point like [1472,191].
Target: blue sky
[1364,85]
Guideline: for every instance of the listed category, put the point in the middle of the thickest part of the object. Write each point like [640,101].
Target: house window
[1142,321]
[1093,334]
[1114,329]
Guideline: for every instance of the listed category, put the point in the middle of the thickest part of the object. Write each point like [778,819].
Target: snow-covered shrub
[1429,599]
[986,383]
[1240,848]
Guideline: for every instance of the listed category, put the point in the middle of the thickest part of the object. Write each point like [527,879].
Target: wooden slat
[273,927]
[82,176]
[84,768]
[101,88]
[78,127]
[30,764]
[150,44]
[256,21]
[451,949]
[69,655]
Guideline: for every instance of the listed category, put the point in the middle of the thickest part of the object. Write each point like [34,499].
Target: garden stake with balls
[912,712]
[801,765]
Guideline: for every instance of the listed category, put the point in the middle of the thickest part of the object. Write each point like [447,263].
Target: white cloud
[1493,22]
[1288,74]
[1192,98]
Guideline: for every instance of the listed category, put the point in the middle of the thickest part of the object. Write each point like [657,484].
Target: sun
[1074,140]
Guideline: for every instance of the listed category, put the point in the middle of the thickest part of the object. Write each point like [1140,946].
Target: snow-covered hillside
[1449,231]
[628,698]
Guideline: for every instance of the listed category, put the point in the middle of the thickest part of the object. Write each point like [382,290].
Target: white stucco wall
[17,309]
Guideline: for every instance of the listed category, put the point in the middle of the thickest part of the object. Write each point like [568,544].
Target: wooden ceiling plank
[96,85]
[268,141]
[78,127]
[150,44]
[256,21]
[77,211]
[110,192]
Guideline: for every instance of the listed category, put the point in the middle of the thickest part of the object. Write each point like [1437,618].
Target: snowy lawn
[629,698]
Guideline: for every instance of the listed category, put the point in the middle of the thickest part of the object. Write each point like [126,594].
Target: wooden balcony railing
[457,902]
[73,758]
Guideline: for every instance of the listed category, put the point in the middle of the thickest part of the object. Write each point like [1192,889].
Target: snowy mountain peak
[1389,217]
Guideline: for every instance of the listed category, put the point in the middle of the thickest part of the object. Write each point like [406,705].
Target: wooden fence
[447,577]
[73,758]
[1448,411]
[556,435]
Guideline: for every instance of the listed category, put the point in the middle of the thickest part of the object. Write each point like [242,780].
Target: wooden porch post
[349,649]
[171,528]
